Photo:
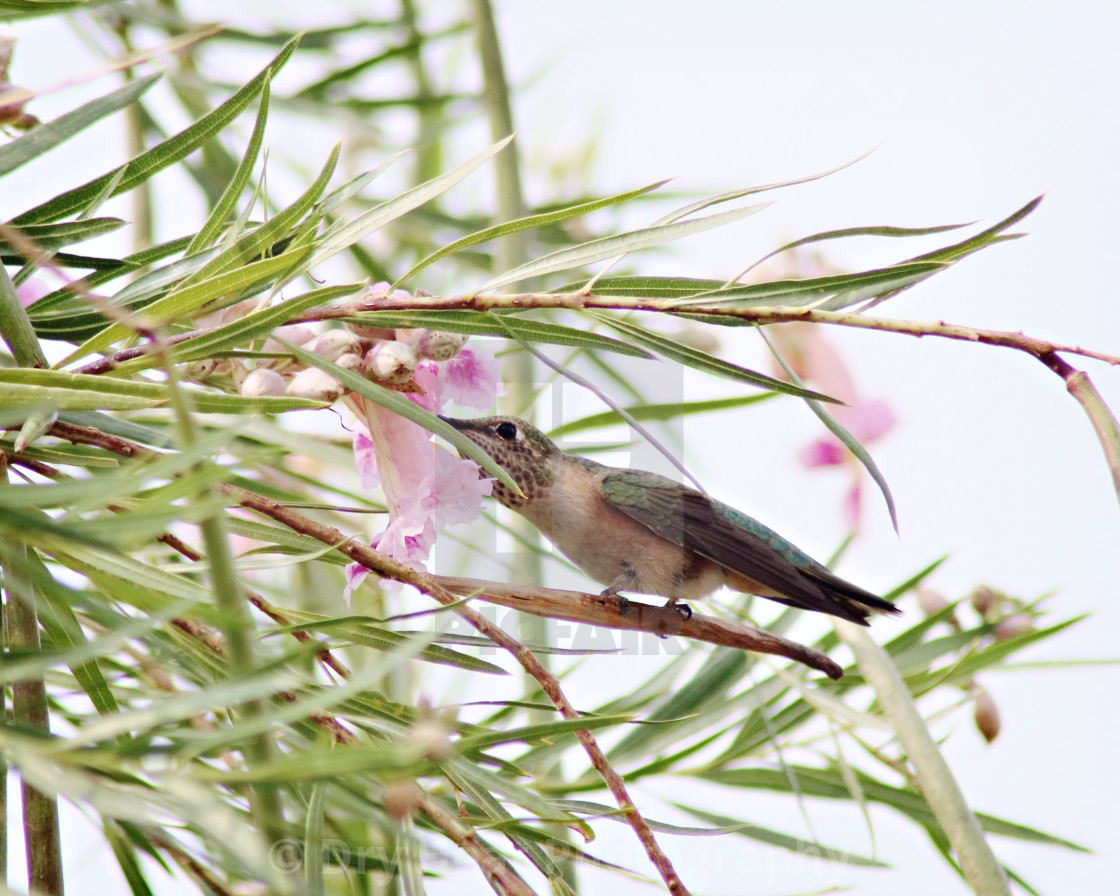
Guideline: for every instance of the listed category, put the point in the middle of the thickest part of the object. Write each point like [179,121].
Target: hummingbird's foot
[683,610]
[623,605]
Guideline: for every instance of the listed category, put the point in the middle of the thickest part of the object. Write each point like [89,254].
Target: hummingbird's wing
[738,543]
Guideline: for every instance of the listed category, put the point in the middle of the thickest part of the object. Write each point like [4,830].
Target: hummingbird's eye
[507,431]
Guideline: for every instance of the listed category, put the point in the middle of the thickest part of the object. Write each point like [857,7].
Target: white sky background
[976,108]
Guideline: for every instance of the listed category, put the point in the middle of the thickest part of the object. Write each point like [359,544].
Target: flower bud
[391,362]
[1014,625]
[316,384]
[333,344]
[402,798]
[351,361]
[432,738]
[931,601]
[986,714]
[985,600]
[439,346]
[262,381]
[296,334]
[363,331]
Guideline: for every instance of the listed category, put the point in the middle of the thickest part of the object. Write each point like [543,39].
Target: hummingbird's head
[519,448]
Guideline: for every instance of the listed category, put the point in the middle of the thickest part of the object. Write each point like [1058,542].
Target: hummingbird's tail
[842,598]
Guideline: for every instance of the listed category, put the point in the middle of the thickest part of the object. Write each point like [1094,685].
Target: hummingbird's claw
[683,610]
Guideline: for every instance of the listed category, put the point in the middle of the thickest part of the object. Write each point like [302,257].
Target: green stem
[939,788]
[41,835]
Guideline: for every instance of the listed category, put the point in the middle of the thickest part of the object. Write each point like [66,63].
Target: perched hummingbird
[641,532]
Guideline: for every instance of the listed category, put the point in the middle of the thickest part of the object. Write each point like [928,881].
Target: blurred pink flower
[819,365]
[30,291]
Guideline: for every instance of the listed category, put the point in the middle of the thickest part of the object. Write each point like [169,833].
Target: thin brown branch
[390,568]
[503,879]
[758,314]
[595,609]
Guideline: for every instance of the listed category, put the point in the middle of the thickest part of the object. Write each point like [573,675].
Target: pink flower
[426,488]
[819,365]
[471,379]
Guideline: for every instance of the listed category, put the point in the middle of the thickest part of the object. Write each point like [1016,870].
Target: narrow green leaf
[176,305]
[159,157]
[217,219]
[49,237]
[526,223]
[611,246]
[662,412]
[805,848]
[478,323]
[235,333]
[345,235]
[698,360]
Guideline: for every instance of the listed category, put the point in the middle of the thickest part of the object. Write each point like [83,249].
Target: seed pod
[986,714]
[333,344]
[391,362]
[315,384]
[439,346]
[262,381]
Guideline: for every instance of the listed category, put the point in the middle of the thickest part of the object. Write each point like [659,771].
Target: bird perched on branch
[643,533]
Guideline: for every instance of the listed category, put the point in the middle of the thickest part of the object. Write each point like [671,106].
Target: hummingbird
[644,533]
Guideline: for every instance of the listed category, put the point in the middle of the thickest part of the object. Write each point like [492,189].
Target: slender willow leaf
[235,333]
[669,411]
[184,302]
[829,783]
[698,360]
[48,237]
[159,157]
[478,323]
[77,391]
[611,246]
[527,223]
[217,220]
[345,235]
[797,845]
[258,242]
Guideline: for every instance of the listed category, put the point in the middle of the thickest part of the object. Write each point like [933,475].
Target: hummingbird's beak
[454,421]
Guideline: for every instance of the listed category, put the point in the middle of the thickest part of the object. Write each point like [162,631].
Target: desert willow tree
[207,658]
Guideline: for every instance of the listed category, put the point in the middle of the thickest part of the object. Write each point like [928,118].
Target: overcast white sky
[975,108]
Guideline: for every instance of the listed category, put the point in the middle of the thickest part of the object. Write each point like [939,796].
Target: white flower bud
[351,361]
[316,384]
[295,333]
[333,344]
[391,362]
[439,346]
[262,382]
